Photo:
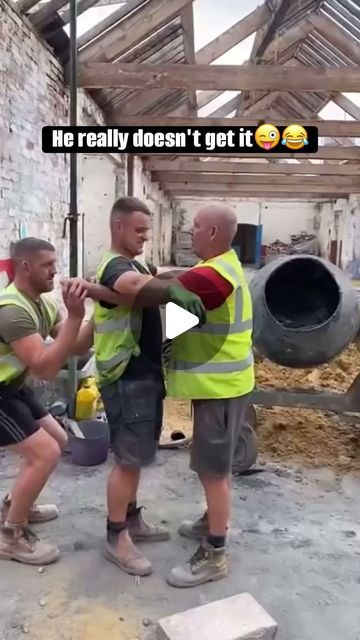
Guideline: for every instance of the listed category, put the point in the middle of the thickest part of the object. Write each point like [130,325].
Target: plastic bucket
[93,449]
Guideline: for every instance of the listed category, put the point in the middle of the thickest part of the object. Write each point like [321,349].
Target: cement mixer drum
[305,311]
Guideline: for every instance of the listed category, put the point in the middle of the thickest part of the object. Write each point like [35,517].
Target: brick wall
[34,187]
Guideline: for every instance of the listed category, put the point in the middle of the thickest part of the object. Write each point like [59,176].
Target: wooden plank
[25,5]
[269,197]
[263,103]
[351,182]
[323,153]
[225,109]
[287,39]
[336,36]
[326,128]
[128,33]
[237,33]
[82,6]
[228,188]
[108,22]
[204,97]
[47,11]
[187,21]
[350,107]
[99,75]
[196,166]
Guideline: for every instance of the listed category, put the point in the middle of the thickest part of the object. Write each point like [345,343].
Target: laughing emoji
[294,137]
[267,136]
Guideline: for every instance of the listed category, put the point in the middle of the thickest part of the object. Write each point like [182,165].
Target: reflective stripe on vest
[215,367]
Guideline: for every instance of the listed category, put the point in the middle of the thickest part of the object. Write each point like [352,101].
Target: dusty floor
[298,554]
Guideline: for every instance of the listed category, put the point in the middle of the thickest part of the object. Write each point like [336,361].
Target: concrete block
[237,618]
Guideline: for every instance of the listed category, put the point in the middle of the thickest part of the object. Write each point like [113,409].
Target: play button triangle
[177,320]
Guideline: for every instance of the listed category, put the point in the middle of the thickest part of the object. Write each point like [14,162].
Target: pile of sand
[311,438]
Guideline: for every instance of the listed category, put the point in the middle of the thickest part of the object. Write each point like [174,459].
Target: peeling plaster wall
[340,222]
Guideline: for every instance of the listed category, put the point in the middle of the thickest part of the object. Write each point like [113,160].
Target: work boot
[141,531]
[206,565]
[37,514]
[18,543]
[122,552]
[195,529]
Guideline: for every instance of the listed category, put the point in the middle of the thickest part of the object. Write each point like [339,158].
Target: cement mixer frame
[347,403]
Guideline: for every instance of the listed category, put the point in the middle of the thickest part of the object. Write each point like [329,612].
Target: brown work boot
[122,552]
[18,543]
[195,529]
[206,565]
[141,531]
[37,514]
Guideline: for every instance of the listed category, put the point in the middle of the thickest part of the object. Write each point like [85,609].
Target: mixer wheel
[246,451]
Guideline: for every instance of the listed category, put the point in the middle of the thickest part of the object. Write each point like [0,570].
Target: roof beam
[336,36]
[46,11]
[82,6]
[187,21]
[326,128]
[324,152]
[109,21]
[133,29]
[25,5]
[179,165]
[233,36]
[253,189]
[98,75]
[347,105]
[241,180]
[225,109]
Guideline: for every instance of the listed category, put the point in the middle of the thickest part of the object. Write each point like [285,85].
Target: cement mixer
[306,312]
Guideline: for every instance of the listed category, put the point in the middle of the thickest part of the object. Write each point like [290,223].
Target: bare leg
[41,454]
[55,430]
[217,491]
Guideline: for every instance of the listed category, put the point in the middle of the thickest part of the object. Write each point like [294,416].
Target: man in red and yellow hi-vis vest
[213,366]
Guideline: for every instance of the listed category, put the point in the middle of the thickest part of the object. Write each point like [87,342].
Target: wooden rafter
[187,21]
[225,77]
[241,180]
[324,153]
[138,26]
[326,128]
[162,165]
[254,189]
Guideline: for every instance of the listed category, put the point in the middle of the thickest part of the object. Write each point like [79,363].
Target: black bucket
[93,449]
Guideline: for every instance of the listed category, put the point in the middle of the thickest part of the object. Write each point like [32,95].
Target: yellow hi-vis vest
[10,366]
[230,371]
[116,334]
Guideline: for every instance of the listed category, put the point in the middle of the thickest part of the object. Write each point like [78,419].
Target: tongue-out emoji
[267,136]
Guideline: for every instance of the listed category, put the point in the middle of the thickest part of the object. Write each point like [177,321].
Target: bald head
[214,230]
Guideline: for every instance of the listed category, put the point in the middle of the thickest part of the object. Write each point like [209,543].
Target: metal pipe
[73,208]
[73,156]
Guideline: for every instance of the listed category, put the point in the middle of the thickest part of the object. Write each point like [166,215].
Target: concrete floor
[298,555]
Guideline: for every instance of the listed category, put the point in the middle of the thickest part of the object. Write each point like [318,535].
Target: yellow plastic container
[86,401]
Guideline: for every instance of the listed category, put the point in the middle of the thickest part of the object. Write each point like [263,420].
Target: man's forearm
[85,339]
[153,293]
[55,355]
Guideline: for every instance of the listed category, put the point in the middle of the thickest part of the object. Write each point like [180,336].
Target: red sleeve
[208,284]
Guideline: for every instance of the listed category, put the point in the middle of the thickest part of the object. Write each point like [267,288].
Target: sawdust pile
[310,438]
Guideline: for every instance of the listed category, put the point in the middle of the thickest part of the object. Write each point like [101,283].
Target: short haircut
[28,247]
[128,205]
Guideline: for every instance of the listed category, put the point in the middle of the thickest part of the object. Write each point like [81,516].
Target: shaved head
[214,229]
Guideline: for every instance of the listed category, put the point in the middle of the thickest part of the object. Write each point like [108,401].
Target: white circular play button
[178,320]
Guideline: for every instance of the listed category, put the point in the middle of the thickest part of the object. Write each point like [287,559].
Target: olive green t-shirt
[16,323]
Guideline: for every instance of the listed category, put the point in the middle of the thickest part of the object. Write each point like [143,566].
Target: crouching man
[27,318]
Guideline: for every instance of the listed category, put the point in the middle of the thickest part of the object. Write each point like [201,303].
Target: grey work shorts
[217,425]
[134,411]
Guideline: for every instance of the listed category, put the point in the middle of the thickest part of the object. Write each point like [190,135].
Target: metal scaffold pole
[73,209]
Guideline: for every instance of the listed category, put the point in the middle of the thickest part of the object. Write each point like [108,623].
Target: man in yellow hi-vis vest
[213,366]
[27,318]
[128,350]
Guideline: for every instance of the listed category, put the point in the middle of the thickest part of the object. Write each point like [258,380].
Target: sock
[132,509]
[218,542]
[113,530]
